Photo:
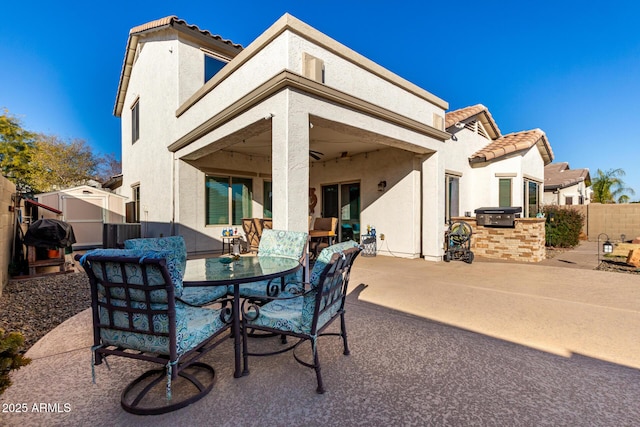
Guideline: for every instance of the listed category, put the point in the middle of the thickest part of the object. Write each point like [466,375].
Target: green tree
[608,187]
[59,164]
[16,148]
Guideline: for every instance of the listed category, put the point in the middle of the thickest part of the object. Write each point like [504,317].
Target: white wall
[164,75]
[154,80]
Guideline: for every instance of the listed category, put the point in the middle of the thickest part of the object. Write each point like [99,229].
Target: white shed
[86,209]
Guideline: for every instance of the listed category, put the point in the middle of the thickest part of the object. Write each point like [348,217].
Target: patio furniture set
[150,303]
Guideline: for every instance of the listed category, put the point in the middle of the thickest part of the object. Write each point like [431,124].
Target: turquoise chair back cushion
[133,272]
[287,244]
[177,258]
[324,258]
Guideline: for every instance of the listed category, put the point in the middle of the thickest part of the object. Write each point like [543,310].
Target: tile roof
[558,175]
[513,143]
[205,37]
[174,20]
[453,117]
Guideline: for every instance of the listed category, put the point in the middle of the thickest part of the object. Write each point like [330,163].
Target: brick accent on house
[525,242]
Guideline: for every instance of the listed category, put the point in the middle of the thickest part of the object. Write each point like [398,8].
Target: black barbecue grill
[498,217]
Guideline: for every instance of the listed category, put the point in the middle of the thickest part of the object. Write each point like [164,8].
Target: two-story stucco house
[566,186]
[213,132]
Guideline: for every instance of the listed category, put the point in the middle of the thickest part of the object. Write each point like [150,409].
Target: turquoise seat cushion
[133,272]
[202,295]
[193,325]
[258,289]
[284,315]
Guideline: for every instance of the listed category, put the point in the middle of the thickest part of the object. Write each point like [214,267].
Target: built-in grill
[498,217]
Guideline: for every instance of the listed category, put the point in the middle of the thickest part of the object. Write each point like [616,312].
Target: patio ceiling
[329,140]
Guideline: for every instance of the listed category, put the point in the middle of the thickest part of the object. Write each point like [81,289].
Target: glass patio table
[226,271]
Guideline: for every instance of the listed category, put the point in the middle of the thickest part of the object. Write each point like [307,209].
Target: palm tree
[608,187]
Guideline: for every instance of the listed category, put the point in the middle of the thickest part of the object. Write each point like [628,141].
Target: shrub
[10,357]
[563,226]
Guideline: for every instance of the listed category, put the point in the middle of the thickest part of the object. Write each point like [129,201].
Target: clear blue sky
[569,68]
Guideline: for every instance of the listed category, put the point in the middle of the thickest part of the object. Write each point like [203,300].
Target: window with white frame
[504,192]
[531,198]
[228,199]
[452,196]
[135,121]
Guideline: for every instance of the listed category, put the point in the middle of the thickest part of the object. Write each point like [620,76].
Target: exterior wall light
[382,185]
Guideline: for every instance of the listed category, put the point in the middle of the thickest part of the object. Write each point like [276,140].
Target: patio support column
[433,207]
[290,165]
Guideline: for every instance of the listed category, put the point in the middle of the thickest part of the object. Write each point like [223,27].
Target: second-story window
[135,121]
[211,66]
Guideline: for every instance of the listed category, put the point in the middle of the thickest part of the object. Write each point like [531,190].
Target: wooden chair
[307,314]
[136,314]
[329,225]
[253,228]
[252,231]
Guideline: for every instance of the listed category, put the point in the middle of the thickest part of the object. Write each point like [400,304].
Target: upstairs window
[135,121]
[212,65]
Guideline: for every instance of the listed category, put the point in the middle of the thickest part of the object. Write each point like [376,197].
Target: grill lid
[499,210]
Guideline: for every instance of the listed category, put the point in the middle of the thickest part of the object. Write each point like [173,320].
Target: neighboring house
[487,169]
[86,209]
[565,186]
[212,133]
[113,184]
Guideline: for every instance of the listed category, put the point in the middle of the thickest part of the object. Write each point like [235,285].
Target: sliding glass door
[342,201]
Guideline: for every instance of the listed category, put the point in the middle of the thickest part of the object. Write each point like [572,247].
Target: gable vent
[476,127]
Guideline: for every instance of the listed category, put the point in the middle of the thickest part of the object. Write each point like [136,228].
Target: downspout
[172,229]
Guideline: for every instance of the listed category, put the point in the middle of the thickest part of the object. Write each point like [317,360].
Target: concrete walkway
[489,343]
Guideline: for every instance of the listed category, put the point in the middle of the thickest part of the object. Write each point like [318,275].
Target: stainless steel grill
[497,217]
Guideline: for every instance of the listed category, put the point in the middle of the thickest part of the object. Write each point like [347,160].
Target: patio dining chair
[192,295]
[307,314]
[279,243]
[137,315]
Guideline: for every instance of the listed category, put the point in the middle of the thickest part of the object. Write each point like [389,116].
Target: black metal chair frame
[186,366]
[332,290]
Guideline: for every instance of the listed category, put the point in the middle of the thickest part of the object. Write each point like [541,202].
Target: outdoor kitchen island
[523,241]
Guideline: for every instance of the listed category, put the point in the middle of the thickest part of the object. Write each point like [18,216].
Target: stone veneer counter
[525,242]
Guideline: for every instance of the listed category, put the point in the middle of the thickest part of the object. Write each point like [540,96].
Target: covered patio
[431,344]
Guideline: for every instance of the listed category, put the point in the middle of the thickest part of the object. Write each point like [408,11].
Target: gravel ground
[36,306]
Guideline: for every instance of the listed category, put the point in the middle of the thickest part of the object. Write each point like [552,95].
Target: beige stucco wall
[7,228]
[611,219]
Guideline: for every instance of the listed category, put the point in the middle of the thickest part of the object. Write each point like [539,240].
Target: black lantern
[607,246]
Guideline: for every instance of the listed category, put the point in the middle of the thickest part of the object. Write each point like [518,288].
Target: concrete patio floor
[489,343]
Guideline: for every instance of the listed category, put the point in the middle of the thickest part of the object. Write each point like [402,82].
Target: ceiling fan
[315,154]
